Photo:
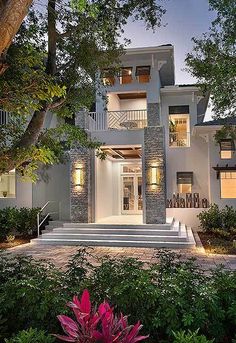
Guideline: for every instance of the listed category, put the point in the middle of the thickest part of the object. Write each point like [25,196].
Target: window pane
[184,188]
[224,154]
[126,75]
[7,185]
[178,130]
[228,185]
[185,178]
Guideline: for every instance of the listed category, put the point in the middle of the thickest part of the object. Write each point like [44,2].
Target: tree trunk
[12,13]
[35,126]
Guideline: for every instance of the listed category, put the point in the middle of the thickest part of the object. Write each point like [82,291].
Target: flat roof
[149,49]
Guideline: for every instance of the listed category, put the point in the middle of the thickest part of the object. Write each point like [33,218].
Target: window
[226,148]
[125,75]
[228,184]
[184,182]
[179,126]
[8,185]
[108,77]
[143,74]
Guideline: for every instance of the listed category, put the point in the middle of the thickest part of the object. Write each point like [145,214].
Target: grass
[216,244]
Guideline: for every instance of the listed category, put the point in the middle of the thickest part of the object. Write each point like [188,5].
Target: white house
[163,165]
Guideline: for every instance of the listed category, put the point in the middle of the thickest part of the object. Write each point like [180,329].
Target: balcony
[117,120]
[179,139]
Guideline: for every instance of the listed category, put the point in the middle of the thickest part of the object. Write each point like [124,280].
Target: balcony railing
[4,116]
[179,139]
[117,120]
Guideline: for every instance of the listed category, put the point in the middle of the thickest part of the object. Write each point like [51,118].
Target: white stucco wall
[113,102]
[23,195]
[103,188]
[133,104]
[55,187]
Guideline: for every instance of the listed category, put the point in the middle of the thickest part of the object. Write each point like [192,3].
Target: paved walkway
[59,255]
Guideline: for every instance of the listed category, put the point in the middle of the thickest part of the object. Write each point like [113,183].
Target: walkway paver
[59,255]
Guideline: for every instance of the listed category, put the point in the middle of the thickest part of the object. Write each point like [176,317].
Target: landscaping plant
[97,326]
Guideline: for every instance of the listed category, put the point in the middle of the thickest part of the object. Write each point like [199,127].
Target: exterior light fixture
[155,175]
[78,176]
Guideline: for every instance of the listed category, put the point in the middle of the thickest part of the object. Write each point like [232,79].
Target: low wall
[187,216]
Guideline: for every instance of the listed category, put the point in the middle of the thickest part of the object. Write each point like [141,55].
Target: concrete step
[114,231]
[108,237]
[116,243]
[118,226]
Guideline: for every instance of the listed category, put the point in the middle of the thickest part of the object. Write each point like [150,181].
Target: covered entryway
[119,186]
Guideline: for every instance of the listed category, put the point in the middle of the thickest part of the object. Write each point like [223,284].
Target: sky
[184,19]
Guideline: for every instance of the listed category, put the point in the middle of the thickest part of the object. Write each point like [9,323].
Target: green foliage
[18,220]
[170,296]
[31,336]
[32,293]
[190,337]
[213,59]
[227,131]
[215,219]
[87,37]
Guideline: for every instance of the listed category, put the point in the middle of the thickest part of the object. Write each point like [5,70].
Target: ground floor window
[184,182]
[8,185]
[228,184]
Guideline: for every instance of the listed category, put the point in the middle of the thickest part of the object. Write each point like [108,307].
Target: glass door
[132,202]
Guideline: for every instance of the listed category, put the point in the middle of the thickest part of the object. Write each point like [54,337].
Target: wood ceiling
[123,153]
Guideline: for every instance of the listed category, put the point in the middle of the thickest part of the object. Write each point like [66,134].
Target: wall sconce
[155,175]
[78,176]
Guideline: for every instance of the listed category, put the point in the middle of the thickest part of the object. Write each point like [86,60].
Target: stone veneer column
[154,155]
[153,114]
[81,196]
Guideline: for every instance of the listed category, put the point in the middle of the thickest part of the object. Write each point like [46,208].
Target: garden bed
[17,241]
[215,244]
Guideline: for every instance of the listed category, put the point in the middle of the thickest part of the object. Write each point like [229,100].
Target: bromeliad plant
[97,326]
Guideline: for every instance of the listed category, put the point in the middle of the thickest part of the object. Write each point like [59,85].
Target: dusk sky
[185,19]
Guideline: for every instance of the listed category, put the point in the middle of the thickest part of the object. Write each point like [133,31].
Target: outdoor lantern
[155,175]
[78,176]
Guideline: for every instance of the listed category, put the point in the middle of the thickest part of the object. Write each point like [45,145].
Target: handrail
[39,223]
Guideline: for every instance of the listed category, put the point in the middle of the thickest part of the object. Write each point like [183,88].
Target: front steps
[173,235]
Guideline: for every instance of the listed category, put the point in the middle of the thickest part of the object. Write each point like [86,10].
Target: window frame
[184,173]
[15,182]
[228,172]
[230,148]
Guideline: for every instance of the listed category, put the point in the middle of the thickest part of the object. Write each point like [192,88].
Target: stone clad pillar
[154,156]
[81,194]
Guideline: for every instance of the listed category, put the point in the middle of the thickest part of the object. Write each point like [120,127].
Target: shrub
[32,293]
[22,221]
[190,337]
[31,336]
[97,326]
[8,221]
[171,295]
[215,218]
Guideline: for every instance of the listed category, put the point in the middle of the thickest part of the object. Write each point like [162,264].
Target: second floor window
[143,74]
[179,126]
[227,148]
[125,75]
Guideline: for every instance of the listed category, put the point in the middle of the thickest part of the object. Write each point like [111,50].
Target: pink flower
[101,326]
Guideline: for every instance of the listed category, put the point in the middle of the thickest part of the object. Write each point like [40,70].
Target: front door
[132,202]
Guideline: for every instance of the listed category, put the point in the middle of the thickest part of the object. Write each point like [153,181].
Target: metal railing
[179,139]
[117,120]
[40,220]
[4,116]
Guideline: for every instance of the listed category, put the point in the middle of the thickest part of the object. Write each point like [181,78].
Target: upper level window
[108,77]
[228,184]
[8,185]
[227,148]
[179,126]
[184,182]
[143,74]
[125,75]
